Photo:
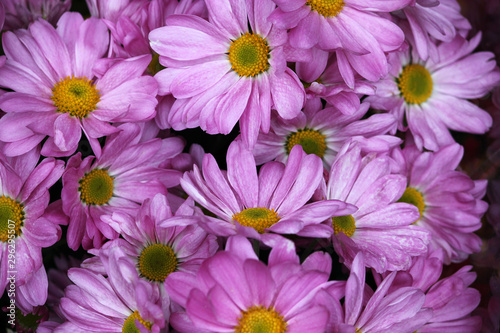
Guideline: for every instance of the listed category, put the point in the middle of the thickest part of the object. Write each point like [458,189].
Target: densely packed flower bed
[250,166]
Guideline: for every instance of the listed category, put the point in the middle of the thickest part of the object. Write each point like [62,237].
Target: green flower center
[157,261]
[415,84]
[258,319]
[259,218]
[345,224]
[249,55]
[129,325]
[312,141]
[414,197]
[326,8]
[76,96]
[11,218]
[96,187]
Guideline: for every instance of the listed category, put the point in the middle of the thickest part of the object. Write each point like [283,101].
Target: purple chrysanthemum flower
[401,309]
[20,13]
[128,172]
[229,69]
[323,131]
[381,228]
[431,96]
[353,29]
[448,200]
[56,92]
[157,243]
[26,225]
[115,303]
[235,292]
[274,201]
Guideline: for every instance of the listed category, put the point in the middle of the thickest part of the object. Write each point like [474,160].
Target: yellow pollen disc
[259,218]
[345,224]
[326,8]
[414,197]
[312,142]
[415,84]
[76,96]
[157,261]
[358,331]
[249,55]
[129,324]
[11,218]
[258,319]
[96,187]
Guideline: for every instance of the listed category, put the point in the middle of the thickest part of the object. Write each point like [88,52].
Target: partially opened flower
[120,180]
[25,224]
[56,94]
[381,228]
[20,13]
[449,202]
[235,292]
[431,96]
[274,201]
[229,69]
[323,131]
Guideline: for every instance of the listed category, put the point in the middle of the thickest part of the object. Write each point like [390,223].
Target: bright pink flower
[157,243]
[353,29]
[19,14]
[449,201]
[258,206]
[27,225]
[234,291]
[381,228]
[431,96]
[390,309]
[56,92]
[323,131]
[229,69]
[115,303]
[127,173]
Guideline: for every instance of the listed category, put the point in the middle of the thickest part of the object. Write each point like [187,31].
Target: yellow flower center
[415,84]
[313,142]
[76,96]
[129,324]
[11,218]
[414,197]
[249,55]
[259,218]
[345,224]
[96,187]
[258,319]
[157,261]
[326,8]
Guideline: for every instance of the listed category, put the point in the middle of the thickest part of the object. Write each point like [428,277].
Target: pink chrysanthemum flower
[116,303]
[430,20]
[56,92]
[235,292]
[401,309]
[157,243]
[20,13]
[381,228]
[323,131]
[353,29]
[229,69]
[256,206]
[26,224]
[431,96]
[127,173]
[448,200]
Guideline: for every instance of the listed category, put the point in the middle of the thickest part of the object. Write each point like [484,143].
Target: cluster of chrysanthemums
[345,109]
